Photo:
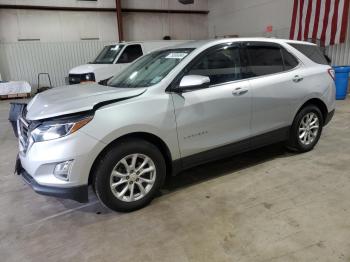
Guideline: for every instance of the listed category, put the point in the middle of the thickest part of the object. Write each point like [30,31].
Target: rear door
[276,84]
[317,78]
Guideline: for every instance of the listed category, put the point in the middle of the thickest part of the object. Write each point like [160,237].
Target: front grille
[23,134]
[74,79]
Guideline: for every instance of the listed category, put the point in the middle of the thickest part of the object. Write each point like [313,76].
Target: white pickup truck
[113,59]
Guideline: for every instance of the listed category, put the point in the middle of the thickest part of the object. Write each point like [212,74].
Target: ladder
[43,88]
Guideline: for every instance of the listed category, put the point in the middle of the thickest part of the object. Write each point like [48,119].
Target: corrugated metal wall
[340,54]
[24,61]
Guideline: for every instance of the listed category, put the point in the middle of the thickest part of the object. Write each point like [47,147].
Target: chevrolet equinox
[170,110]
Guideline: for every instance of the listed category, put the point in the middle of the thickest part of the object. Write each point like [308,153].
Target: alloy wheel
[133,177]
[308,128]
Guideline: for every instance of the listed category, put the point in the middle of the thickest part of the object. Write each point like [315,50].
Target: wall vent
[186,2]
[28,39]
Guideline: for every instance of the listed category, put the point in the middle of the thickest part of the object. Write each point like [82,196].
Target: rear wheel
[306,129]
[129,175]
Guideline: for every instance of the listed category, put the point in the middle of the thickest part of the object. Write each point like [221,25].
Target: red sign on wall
[269,28]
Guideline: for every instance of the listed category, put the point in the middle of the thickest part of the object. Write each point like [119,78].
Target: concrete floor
[266,205]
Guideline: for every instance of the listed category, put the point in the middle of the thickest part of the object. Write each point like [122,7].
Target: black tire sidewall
[108,162]
[294,141]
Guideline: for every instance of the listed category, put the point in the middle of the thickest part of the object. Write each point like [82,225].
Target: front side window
[150,69]
[221,65]
[131,53]
[108,54]
[264,59]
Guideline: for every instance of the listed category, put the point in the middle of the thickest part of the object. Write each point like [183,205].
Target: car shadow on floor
[195,175]
[224,167]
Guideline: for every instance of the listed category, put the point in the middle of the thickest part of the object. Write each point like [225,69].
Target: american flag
[323,21]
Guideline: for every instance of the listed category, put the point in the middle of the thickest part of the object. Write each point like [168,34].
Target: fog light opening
[62,170]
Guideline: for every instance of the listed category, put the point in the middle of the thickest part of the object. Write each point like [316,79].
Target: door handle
[239,91]
[297,79]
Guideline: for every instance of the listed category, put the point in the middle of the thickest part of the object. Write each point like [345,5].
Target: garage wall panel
[56,26]
[340,54]
[154,26]
[147,26]
[24,61]
[249,17]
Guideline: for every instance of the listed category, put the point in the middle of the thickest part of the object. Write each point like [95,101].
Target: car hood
[76,98]
[87,68]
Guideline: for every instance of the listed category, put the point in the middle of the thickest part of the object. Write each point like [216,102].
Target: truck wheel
[306,129]
[129,175]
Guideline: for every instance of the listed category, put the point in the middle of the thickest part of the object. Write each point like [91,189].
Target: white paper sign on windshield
[176,55]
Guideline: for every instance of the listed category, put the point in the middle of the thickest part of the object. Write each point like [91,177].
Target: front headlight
[52,130]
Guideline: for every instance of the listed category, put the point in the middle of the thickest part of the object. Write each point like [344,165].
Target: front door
[217,117]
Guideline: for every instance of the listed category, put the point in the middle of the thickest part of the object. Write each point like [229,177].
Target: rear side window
[220,65]
[131,53]
[264,59]
[312,52]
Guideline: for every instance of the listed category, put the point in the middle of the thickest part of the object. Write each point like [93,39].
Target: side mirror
[193,82]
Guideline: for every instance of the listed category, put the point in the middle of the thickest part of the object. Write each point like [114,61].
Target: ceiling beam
[164,11]
[119,19]
[94,9]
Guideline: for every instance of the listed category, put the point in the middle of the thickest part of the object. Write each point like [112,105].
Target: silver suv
[170,110]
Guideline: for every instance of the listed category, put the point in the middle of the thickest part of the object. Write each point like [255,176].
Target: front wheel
[129,175]
[306,129]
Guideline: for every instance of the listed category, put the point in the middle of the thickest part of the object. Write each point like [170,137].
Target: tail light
[331,73]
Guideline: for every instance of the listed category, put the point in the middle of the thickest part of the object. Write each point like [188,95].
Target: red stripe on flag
[334,22]
[344,22]
[307,20]
[300,18]
[325,21]
[294,19]
[316,21]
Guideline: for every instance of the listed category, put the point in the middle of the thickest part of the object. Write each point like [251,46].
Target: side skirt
[272,137]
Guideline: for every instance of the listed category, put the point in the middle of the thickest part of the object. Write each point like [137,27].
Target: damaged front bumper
[77,193]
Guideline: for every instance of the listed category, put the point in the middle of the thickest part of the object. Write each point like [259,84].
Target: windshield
[108,54]
[150,69]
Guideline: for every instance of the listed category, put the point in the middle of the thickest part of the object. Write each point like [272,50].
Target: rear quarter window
[313,52]
[289,60]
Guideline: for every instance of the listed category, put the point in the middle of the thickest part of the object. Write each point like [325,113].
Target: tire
[119,161]
[299,143]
